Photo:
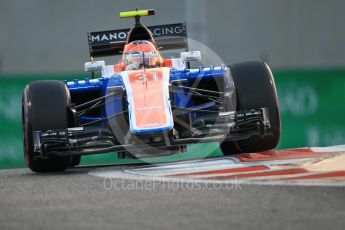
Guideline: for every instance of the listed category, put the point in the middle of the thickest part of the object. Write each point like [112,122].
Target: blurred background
[302,41]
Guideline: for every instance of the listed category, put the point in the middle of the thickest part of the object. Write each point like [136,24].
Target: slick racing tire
[44,106]
[255,88]
[75,161]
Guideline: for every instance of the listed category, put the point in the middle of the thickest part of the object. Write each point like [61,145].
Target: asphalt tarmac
[77,200]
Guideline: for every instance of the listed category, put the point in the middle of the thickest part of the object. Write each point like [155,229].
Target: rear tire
[255,88]
[44,106]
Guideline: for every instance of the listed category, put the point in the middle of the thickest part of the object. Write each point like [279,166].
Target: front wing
[229,126]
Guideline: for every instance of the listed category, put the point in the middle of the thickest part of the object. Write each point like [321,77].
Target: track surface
[77,200]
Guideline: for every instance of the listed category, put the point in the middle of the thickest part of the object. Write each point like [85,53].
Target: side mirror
[191,56]
[95,66]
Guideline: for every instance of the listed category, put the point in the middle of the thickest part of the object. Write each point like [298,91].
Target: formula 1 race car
[147,105]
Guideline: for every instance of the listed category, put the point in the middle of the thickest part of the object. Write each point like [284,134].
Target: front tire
[44,106]
[255,88]
[75,161]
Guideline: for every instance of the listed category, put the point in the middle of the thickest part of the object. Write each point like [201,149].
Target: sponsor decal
[113,36]
[300,100]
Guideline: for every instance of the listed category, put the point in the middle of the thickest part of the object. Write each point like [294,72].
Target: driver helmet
[141,53]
